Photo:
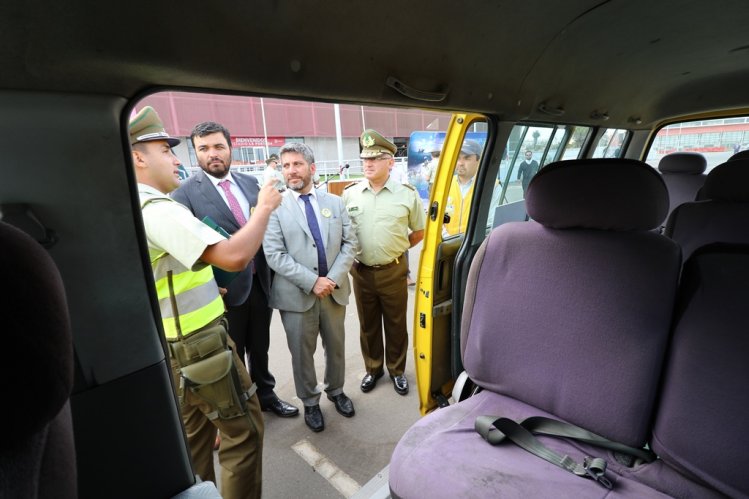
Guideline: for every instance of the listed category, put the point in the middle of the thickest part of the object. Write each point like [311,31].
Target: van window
[529,149]
[611,144]
[717,140]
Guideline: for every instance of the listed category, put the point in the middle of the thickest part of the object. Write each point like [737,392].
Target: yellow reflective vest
[188,299]
[458,207]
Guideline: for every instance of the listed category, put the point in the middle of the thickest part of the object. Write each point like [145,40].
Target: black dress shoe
[370,381]
[280,408]
[343,404]
[400,383]
[313,418]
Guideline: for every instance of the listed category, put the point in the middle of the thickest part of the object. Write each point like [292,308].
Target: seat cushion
[442,456]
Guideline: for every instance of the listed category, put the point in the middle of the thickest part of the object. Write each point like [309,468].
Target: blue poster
[424,149]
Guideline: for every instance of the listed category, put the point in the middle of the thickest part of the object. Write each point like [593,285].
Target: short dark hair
[207,128]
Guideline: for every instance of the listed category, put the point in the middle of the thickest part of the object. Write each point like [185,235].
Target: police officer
[388,218]
[180,248]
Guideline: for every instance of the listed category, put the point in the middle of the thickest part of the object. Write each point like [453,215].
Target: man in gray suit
[229,199]
[310,245]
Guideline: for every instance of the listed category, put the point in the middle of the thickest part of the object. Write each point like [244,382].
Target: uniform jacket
[289,249]
[202,198]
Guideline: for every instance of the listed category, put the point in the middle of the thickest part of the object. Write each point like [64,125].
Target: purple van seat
[721,215]
[566,316]
[37,457]
[700,431]
[684,175]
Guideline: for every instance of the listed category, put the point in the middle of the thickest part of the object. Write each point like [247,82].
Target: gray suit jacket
[202,198]
[288,246]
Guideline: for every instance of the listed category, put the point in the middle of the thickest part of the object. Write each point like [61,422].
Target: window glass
[528,149]
[611,144]
[717,140]
[575,141]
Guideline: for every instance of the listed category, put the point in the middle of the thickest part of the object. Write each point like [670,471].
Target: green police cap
[147,126]
[373,144]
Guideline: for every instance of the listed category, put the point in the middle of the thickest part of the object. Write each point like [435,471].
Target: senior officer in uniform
[388,218]
[310,244]
[181,248]
[229,199]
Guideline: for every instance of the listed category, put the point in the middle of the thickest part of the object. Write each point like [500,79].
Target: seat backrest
[570,312]
[37,456]
[700,427]
[740,155]
[722,213]
[684,175]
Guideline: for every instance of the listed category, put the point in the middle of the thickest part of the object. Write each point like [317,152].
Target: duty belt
[379,267]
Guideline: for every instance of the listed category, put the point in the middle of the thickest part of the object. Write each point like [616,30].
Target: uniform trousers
[241,453]
[326,317]
[382,299]
[249,327]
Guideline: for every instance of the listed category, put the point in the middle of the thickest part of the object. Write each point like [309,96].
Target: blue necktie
[314,228]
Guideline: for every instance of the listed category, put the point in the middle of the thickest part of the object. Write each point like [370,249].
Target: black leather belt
[378,267]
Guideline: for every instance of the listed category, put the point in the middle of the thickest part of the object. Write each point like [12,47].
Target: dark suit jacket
[202,198]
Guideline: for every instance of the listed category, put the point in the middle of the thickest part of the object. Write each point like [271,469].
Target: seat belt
[540,425]
[593,468]
[496,429]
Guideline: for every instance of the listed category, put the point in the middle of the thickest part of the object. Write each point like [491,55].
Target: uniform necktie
[314,228]
[236,210]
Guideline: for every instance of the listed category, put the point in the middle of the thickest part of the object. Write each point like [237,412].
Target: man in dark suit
[229,199]
[527,170]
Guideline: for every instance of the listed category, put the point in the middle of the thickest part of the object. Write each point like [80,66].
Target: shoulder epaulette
[409,186]
[155,200]
[352,184]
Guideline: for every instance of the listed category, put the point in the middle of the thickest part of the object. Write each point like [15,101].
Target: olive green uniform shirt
[382,220]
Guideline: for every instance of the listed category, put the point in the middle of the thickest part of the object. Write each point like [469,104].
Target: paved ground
[349,452]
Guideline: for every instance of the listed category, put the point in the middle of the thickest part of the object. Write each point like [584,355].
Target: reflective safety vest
[458,207]
[188,299]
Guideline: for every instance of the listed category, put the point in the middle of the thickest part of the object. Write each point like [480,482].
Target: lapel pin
[325,212]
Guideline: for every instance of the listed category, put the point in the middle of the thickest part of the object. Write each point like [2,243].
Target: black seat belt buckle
[595,468]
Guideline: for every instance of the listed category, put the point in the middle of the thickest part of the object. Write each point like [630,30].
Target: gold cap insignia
[368,141]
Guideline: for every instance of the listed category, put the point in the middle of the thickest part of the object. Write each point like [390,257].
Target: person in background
[462,186]
[388,218]
[310,245]
[529,168]
[272,171]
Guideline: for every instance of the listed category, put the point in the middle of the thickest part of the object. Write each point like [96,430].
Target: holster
[207,368]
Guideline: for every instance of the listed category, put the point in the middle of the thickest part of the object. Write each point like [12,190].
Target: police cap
[147,126]
[373,144]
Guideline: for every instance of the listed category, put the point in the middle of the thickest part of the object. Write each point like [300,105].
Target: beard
[216,168]
[299,183]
